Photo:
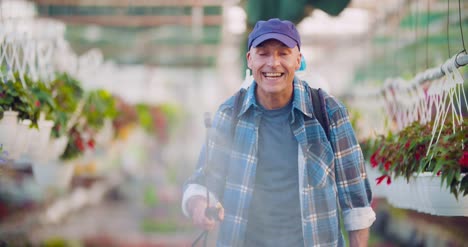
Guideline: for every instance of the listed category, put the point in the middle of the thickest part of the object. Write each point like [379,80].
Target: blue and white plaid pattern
[329,180]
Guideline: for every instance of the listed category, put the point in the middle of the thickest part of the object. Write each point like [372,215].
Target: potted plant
[43,112]
[99,105]
[58,102]
[15,96]
[126,117]
[67,93]
[15,104]
[405,155]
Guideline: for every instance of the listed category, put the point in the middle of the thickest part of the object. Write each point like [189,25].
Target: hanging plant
[67,93]
[99,106]
[14,96]
[404,155]
[77,143]
[173,114]
[155,120]
[43,102]
[144,117]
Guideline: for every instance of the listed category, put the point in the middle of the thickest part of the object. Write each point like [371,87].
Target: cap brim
[289,42]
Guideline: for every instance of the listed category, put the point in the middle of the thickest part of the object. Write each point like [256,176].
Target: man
[280,179]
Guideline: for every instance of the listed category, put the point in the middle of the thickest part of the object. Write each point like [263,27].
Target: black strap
[318,102]
[204,236]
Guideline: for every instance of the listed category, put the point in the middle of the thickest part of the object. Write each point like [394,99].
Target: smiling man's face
[273,65]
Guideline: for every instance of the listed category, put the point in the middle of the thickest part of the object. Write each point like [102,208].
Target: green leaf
[450,177]
[438,166]
[464,185]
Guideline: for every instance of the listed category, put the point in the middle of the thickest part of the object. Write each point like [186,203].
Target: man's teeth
[273,74]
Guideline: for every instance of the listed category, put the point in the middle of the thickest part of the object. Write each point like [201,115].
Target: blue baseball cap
[283,31]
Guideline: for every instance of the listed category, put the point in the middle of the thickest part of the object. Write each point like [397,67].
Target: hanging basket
[8,126]
[53,174]
[402,193]
[56,147]
[37,149]
[22,139]
[438,200]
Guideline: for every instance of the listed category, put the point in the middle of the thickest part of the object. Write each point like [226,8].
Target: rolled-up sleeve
[196,190]
[353,185]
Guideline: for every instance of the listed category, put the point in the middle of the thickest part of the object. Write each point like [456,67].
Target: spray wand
[210,212]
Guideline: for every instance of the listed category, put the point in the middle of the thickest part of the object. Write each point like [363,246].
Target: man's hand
[196,206]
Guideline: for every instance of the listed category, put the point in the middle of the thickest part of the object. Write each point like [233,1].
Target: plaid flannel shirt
[331,173]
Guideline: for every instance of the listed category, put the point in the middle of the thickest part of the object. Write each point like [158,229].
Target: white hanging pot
[53,174]
[37,149]
[402,193]
[440,200]
[8,125]
[22,139]
[56,147]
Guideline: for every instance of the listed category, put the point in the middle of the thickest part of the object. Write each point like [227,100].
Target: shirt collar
[301,96]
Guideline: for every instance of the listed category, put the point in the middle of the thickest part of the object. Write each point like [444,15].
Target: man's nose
[273,60]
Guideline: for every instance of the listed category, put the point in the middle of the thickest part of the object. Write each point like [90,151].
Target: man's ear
[299,58]
[248,57]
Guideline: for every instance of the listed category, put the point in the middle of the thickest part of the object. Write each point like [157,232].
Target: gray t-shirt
[274,214]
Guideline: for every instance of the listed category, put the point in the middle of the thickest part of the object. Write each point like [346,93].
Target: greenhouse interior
[103,105]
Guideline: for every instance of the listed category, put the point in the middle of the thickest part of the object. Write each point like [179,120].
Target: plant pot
[398,193]
[56,147]
[37,149]
[439,199]
[8,126]
[22,139]
[422,193]
[53,174]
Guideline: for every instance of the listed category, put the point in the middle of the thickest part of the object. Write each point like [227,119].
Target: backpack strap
[318,102]
[238,100]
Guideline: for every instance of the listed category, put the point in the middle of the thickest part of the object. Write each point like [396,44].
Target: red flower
[439,172]
[373,160]
[407,145]
[387,165]
[37,103]
[79,144]
[417,155]
[463,161]
[91,143]
[381,178]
